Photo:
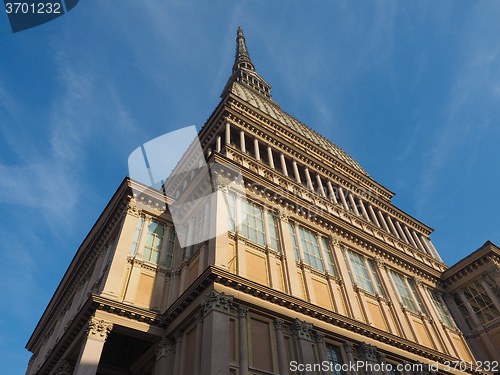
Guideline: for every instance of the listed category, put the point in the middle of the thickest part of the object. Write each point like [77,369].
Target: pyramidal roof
[247,84]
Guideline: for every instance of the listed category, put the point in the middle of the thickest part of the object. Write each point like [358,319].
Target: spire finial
[242,59]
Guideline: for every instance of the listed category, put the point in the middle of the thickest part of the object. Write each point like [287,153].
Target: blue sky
[410,89]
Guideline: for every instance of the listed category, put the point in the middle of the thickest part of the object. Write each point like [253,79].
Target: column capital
[332,240]
[448,298]
[132,209]
[367,352]
[242,311]
[178,337]
[378,262]
[164,346]
[63,367]
[417,280]
[278,323]
[347,347]
[302,329]
[217,301]
[318,337]
[98,329]
[283,215]
[381,357]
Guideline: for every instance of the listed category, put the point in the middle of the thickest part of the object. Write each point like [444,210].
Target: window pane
[310,249]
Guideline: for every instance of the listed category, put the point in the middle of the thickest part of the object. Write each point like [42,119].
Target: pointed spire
[242,59]
[244,71]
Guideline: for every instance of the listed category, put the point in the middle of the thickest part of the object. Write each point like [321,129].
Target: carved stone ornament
[448,298]
[283,215]
[417,281]
[367,352]
[333,241]
[381,357]
[221,182]
[63,367]
[493,271]
[242,312]
[378,262]
[165,345]
[302,329]
[132,209]
[217,301]
[318,337]
[347,347]
[98,329]
[278,323]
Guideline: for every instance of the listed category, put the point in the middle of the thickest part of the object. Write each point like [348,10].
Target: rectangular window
[360,272]
[252,226]
[294,241]
[154,240]
[443,313]
[310,248]
[335,359]
[481,302]
[231,213]
[198,229]
[170,248]
[329,256]
[403,292]
[137,235]
[273,232]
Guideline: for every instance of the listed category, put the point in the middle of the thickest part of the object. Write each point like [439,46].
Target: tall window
[198,229]
[231,213]
[137,235]
[252,226]
[481,302]
[154,240]
[329,256]
[335,359]
[273,232]
[310,248]
[443,313]
[404,292]
[170,248]
[360,272]
[294,241]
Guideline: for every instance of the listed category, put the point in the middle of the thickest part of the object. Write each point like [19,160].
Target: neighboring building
[312,263]
[473,296]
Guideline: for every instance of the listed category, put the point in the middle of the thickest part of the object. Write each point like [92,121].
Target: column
[199,341]
[280,343]
[352,305]
[296,171]
[94,338]
[256,148]
[353,204]
[308,179]
[363,209]
[270,156]
[426,247]
[243,339]
[342,199]
[391,225]
[373,216]
[382,221]
[455,313]
[290,263]
[417,240]
[350,358]
[218,143]
[408,236]
[332,192]
[490,293]
[467,305]
[400,231]
[215,355]
[302,333]
[381,360]
[318,338]
[283,164]
[178,353]
[228,133]
[164,356]
[320,185]
[242,141]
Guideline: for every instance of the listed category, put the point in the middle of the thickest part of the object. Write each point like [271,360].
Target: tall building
[311,264]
